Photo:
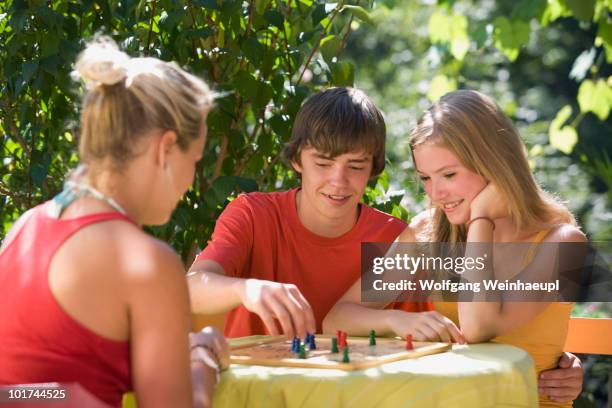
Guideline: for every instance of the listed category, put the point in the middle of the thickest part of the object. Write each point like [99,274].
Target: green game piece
[302,353]
[372,338]
[334,345]
[345,355]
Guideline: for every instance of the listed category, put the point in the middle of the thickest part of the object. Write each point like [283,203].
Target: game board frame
[421,349]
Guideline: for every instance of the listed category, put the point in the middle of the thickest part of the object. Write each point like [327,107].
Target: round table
[476,375]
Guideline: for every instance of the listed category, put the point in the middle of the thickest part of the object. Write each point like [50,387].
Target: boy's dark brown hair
[338,121]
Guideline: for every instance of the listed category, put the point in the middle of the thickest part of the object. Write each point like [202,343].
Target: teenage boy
[287,257]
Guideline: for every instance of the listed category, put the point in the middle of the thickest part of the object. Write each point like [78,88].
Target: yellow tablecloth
[478,375]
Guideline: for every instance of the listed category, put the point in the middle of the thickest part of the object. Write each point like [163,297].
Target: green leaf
[478,33]
[258,21]
[562,116]
[49,46]
[3,21]
[582,9]
[50,18]
[265,143]
[261,5]
[51,64]
[318,14]
[253,50]
[561,137]
[329,48]
[281,125]
[246,84]
[40,167]
[595,97]
[199,33]
[439,26]
[247,185]
[17,21]
[207,4]
[268,61]
[528,9]
[441,85]
[28,69]
[554,10]
[296,97]
[218,122]
[222,187]
[460,41]
[383,180]
[452,30]
[343,73]
[68,50]
[604,37]
[510,36]
[275,18]
[360,13]
[564,139]
[263,95]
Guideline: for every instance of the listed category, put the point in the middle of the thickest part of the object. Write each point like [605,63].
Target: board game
[278,351]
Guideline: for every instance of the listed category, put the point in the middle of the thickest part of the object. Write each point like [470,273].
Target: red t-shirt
[40,341]
[259,235]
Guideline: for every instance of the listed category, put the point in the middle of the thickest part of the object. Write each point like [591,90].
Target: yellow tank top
[543,337]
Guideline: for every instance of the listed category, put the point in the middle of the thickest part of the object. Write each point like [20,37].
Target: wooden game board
[276,351]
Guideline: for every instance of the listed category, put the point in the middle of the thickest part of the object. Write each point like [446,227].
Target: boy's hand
[562,384]
[426,326]
[279,301]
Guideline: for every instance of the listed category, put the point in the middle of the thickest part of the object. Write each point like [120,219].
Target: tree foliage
[549,71]
[451,29]
[264,57]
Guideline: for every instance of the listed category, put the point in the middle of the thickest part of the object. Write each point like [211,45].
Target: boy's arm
[211,291]
[562,384]
[219,280]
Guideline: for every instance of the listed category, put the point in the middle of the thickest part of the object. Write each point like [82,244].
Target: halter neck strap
[73,191]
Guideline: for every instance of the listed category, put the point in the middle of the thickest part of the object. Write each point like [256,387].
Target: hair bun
[101,63]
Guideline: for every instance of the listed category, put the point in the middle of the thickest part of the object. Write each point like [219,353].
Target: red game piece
[409,345]
[342,340]
[339,337]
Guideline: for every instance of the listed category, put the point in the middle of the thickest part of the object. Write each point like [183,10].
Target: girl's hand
[489,203]
[426,326]
[211,339]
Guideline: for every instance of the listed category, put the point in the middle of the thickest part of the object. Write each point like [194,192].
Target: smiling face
[448,183]
[332,186]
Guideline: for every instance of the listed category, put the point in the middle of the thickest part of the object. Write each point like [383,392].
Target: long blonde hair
[482,137]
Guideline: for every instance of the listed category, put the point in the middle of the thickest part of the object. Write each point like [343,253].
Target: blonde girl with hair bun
[93,298]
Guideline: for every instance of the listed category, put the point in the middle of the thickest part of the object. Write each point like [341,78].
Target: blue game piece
[295,345]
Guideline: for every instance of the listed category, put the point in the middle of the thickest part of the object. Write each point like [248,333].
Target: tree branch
[221,157]
[316,47]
